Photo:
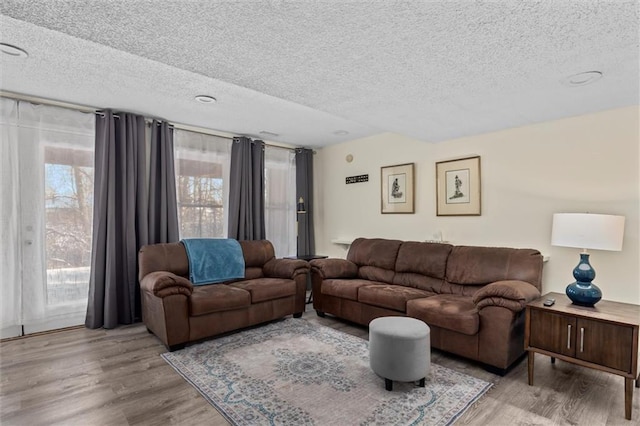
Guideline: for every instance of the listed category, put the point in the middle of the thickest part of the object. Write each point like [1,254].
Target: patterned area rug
[294,372]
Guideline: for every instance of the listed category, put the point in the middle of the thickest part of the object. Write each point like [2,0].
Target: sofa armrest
[163,284]
[334,268]
[285,268]
[512,294]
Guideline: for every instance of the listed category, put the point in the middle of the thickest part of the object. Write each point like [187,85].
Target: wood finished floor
[116,377]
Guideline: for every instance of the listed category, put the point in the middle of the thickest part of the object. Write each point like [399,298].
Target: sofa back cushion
[483,265]
[171,257]
[375,258]
[422,265]
[256,254]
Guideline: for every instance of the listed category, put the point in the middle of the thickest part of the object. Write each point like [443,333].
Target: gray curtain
[304,189]
[163,209]
[120,225]
[246,190]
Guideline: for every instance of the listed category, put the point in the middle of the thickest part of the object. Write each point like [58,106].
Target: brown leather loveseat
[472,298]
[178,312]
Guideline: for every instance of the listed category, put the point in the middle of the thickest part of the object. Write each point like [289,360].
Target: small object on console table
[603,338]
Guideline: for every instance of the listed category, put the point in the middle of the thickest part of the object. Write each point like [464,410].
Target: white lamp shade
[588,231]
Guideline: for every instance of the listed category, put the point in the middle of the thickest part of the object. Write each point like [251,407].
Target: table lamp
[300,206]
[586,231]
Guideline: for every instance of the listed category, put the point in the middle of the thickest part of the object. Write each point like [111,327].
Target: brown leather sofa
[472,298]
[178,312]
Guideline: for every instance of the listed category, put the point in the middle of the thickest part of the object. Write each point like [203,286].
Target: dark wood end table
[603,337]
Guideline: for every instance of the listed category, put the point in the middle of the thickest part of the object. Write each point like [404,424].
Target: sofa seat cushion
[448,311]
[264,289]
[390,296]
[206,299]
[344,289]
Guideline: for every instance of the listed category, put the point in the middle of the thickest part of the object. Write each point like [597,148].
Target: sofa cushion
[170,257]
[466,290]
[257,252]
[375,257]
[448,311]
[390,296]
[422,282]
[252,272]
[429,259]
[263,289]
[374,252]
[206,299]
[373,273]
[346,289]
[483,265]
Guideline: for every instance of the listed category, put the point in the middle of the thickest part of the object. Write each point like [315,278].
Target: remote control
[549,302]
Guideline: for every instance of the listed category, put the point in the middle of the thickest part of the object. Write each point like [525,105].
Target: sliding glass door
[47,205]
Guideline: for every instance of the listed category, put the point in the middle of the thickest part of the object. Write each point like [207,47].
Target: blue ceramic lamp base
[584,295]
[583,292]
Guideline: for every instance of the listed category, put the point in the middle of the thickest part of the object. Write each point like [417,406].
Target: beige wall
[581,164]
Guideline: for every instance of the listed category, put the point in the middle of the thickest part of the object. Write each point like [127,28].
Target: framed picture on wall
[458,187]
[397,189]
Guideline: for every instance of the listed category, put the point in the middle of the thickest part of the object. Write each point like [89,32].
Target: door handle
[569,336]
[581,339]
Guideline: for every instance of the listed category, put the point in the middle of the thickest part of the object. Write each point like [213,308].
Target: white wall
[580,164]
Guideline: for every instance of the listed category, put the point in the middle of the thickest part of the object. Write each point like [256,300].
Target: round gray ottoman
[399,349]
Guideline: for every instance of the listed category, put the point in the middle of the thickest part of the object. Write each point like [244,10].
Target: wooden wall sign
[357,179]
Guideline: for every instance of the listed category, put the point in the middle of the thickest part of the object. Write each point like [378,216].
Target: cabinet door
[604,344]
[553,332]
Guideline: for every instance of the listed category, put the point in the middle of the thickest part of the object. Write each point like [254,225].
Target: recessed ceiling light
[582,78]
[11,50]
[205,99]
[264,132]
[340,132]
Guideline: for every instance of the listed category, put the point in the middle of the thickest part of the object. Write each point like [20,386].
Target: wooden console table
[603,337]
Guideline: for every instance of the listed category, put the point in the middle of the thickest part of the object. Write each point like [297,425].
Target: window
[280,199]
[202,183]
[202,186]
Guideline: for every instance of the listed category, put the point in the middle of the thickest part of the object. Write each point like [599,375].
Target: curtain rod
[147,120]
[99,111]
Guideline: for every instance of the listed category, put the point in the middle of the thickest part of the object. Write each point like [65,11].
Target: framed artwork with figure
[458,187]
[397,189]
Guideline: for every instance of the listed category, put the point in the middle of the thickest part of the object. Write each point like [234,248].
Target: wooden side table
[308,257]
[603,337]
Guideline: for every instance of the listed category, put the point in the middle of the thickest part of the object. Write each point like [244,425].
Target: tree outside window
[68,178]
[200,190]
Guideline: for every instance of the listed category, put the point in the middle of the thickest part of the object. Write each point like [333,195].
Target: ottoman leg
[422,382]
[388,384]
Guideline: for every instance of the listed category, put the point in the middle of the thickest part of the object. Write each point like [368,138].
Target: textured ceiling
[305,70]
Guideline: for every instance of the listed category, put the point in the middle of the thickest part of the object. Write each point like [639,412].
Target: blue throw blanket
[213,260]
